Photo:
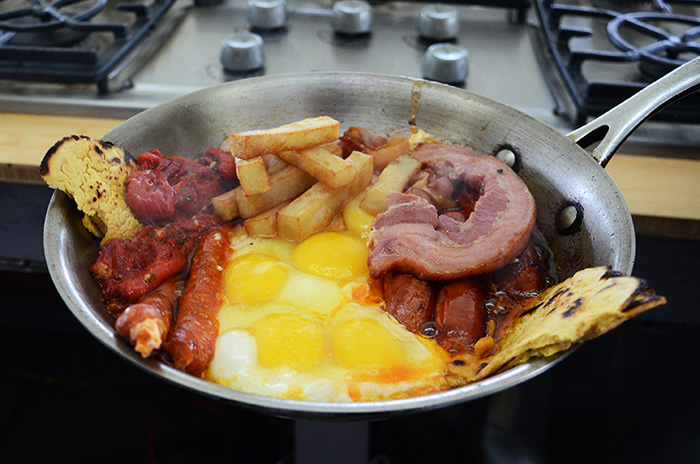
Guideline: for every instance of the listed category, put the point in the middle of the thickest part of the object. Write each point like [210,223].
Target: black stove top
[73,41]
[605,51]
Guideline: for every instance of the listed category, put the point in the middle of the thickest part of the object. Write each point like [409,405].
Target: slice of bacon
[495,233]
[146,324]
[193,336]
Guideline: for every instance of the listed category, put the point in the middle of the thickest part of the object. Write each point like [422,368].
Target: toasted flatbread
[93,172]
[590,303]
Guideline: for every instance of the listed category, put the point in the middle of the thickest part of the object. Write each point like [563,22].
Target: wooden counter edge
[651,185]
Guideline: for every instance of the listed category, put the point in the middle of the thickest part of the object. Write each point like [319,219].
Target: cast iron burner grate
[63,41]
[639,47]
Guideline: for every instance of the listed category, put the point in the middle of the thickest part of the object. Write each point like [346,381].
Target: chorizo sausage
[146,324]
[524,278]
[460,314]
[193,337]
[409,300]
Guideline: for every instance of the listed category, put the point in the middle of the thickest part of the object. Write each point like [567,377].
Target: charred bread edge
[99,145]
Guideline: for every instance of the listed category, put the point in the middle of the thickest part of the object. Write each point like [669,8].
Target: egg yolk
[254,278]
[289,340]
[356,219]
[331,254]
[363,343]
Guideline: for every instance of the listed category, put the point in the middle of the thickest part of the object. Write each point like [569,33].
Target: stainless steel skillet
[581,212]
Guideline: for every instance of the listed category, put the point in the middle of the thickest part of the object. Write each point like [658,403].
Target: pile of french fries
[294,180]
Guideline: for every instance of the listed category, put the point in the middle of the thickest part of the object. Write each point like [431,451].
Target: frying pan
[581,212]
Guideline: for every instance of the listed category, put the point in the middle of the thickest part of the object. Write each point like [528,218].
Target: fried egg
[305,321]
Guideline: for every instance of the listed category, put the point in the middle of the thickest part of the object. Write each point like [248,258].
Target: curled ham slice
[412,237]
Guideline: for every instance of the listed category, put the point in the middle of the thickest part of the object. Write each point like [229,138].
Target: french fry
[314,210]
[295,136]
[324,162]
[396,146]
[287,183]
[265,223]
[393,178]
[225,205]
[273,163]
[253,176]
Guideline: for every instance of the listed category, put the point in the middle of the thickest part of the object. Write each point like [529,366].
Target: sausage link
[460,314]
[193,337]
[524,278]
[409,300]
[146,324]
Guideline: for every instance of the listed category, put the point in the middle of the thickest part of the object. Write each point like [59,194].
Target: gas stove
[605,51]
[188,57]
[553,60]
[534,55]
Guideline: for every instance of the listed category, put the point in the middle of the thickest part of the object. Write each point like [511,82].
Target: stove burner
[596,60]
[666,52]
[40,41]
[43,16]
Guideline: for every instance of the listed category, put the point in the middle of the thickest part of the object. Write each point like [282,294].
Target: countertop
[662,192]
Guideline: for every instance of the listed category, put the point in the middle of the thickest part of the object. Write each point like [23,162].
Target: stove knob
[242,52]
[446,62]
[438,22]
[267,14]
[353,17]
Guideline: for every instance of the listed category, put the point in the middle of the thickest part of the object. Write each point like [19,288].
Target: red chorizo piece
[360,139]
[167,185]
[146,324]
[127,270]
[409,300]
[524,278]
[460,314]
[193,337]
[224,162]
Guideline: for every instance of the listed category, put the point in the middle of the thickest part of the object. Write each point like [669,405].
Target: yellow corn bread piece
[586,305]
[93,172]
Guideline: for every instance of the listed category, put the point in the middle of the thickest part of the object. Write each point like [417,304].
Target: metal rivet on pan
[509,156]
[569,219]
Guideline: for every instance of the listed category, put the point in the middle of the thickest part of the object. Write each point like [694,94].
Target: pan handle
[613,128]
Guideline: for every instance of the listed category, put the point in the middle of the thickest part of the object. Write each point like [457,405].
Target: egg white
[328,302]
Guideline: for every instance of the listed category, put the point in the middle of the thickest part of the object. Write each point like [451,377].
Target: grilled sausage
[460,314]
[524,278]
[146,324]
[193,338]
[409,300]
